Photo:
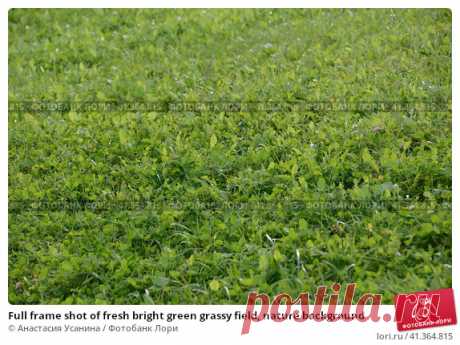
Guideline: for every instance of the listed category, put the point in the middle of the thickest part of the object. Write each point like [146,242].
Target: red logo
[425,309]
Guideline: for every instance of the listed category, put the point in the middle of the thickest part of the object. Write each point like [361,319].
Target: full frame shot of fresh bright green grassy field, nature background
[187,204]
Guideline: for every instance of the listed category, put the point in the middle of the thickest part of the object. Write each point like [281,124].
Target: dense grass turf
[192,246]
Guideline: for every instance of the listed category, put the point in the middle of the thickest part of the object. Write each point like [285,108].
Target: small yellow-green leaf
[213,141]
[367,158]
[123,136]
[214,285]
[263,263]
[247,281]
[303,224]
[278,256]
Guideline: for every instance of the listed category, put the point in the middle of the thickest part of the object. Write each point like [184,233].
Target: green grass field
[239,200]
